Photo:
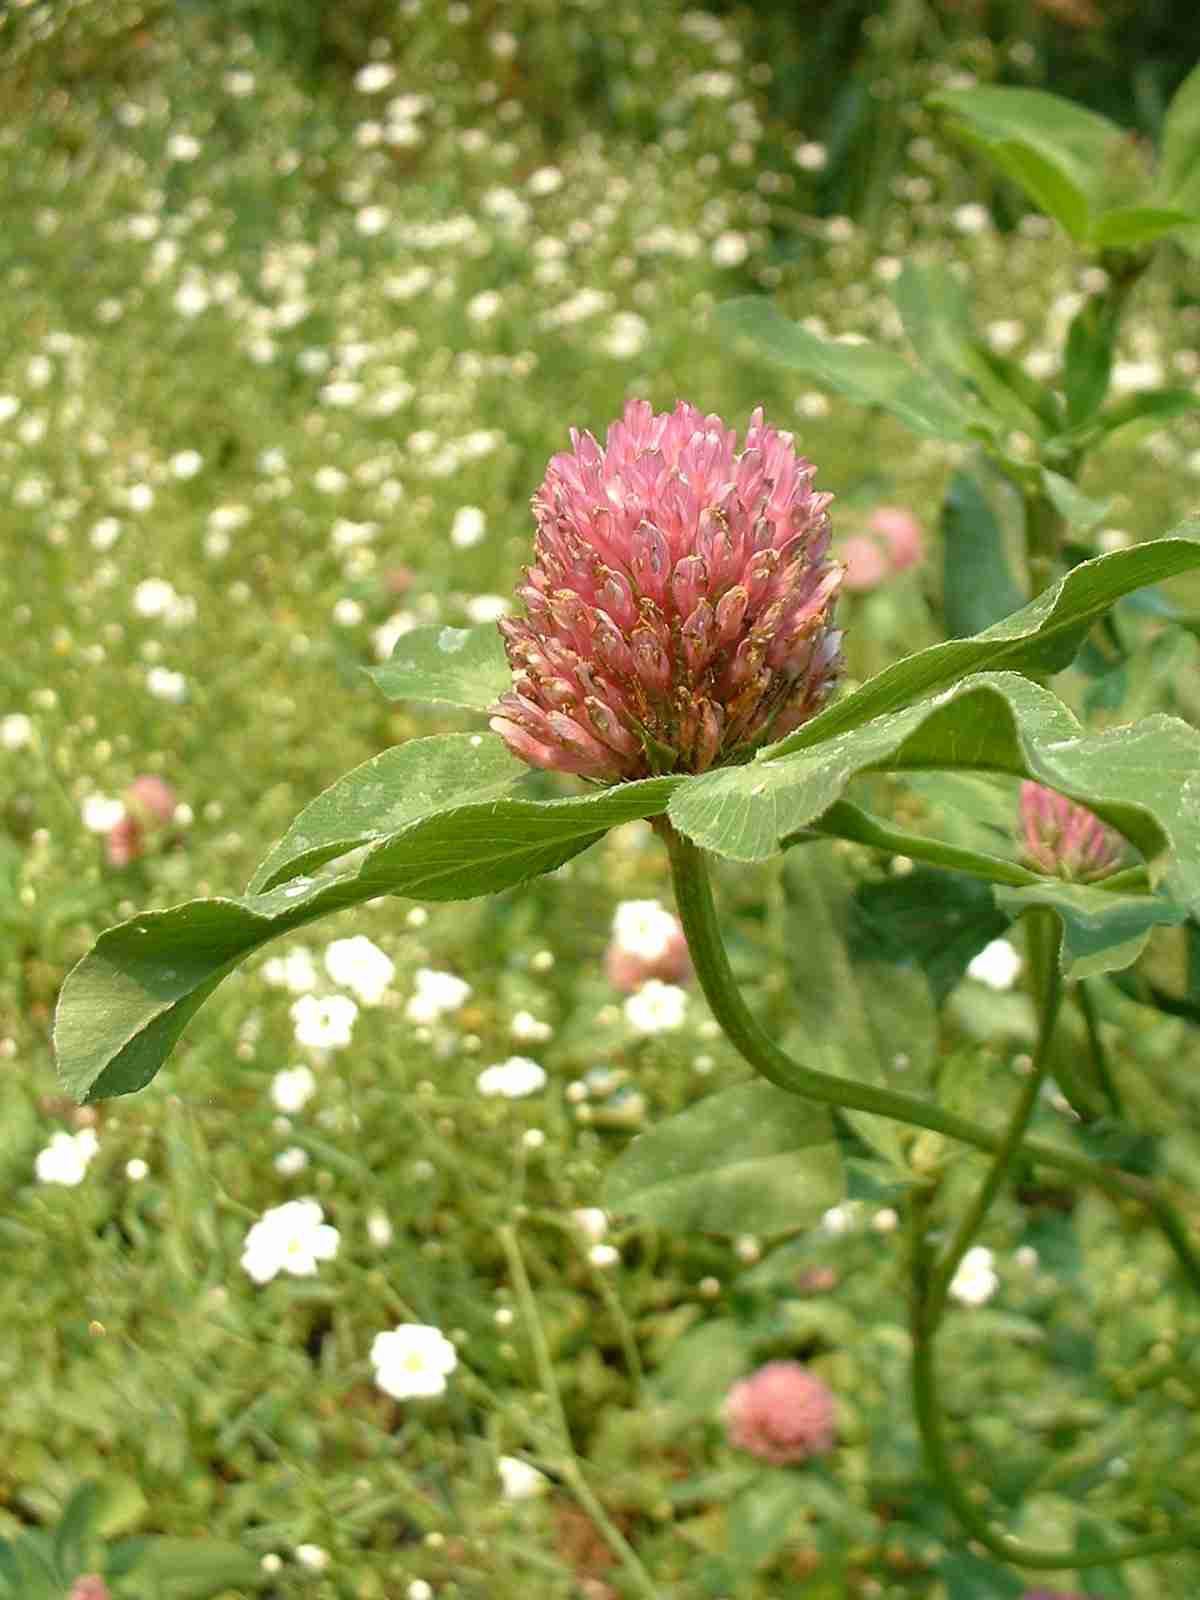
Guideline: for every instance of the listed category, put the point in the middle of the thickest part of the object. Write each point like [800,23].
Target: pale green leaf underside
[1144,779]
[1042,637]
[749,1159]
[453,666]
[1102,932]
[123,1006]
[868,374]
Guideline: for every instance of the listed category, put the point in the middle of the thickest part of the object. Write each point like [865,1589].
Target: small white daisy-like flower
[975,1281]
[512,1079]
[290,1238]
[375,77]
[360,966]
[323,1023]
[101,813]
[996,965]
[379,1229]
[312,1556]
[591,1222]
[136,1170]
[525,1026]
[412,1361]
[16,731]
[520,1481]
[656,1007]
[296,972]
[435,994]
[65,1159]
[166,685]
[604,1255]
[644,928]
[292,1089]
[468,527]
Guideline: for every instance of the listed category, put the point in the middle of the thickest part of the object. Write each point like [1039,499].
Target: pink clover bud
[1064,839]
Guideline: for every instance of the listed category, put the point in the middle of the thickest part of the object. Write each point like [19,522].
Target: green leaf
[1091,341]
[1127,227]
[1102,931]
[1143,779]
[932,304]
[77,1528]
[1178,181]
[749,1159]
[1147,405]
[871,1021]
[1058,152]
[1007,388]
[193,1569]
[124,1006]
[938,920]
[763,1517]
[1042,637]
[698,1370]
[978,587]
[1079,511]
[971,1577]
[380,797]
[452,666]
[868,374]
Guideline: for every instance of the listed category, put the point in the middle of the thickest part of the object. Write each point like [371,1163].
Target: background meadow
[297,302]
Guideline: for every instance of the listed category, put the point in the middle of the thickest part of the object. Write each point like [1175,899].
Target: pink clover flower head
[89,1587]
[1062,838]
[892,541]
[151,799]
[125,841]
[781,1414]
[901,534]
[679,605]
[647,942]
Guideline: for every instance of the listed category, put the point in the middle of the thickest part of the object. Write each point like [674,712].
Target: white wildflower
[292,1089]
[975,1281]
[412,1360]
[323,1023]
[360,966]
[65,1159]
[290,1238]
[520,1481]
[435,994]
[996,965]
[512,1079]
[656,1007]
[296,972]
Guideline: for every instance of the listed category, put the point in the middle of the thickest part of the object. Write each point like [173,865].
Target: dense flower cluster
[1058,836]
[680,602]
[781,1413]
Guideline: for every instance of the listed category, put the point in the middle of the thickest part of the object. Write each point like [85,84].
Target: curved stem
[693,898]
[1108,1083]
[941,1464]
[1044,935]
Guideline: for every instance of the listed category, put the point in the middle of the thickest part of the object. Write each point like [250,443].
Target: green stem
[568,1466]
[1108,1083]
[937,1449]
[693,898]
[1043,941]
[846,821]
[1045,530]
